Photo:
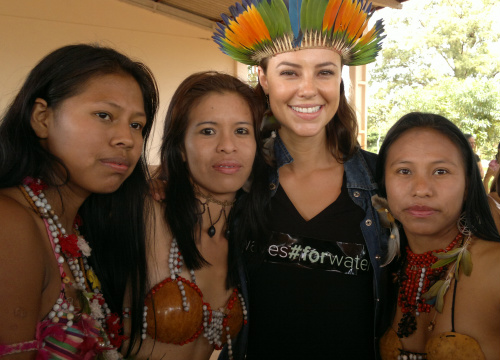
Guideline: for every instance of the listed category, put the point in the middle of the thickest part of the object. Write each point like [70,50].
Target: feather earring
[387,220]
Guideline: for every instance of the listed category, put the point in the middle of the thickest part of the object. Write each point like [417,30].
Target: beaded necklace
[414,280]
[73,249]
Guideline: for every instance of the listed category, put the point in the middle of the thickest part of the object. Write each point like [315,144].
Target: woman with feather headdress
[315,287]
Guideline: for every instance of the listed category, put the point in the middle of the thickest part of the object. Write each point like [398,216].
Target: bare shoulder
[487,251]
[158,229]
[21,241]
[158,245]
[22,268]
[486,262]
[17,220]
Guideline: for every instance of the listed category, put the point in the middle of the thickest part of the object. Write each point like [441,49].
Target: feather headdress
[259,29]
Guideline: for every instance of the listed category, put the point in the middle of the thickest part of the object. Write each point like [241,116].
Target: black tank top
[311,297]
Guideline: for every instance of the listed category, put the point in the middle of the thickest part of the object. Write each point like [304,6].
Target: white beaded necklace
[97,311]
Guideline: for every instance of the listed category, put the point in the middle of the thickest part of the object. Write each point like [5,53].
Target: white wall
[172,48]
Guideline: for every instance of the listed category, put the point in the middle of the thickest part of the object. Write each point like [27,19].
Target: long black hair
[113,223]
[246,219]
[478,217]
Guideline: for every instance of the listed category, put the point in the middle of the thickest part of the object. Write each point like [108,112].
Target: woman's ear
[263,80]
[40,115]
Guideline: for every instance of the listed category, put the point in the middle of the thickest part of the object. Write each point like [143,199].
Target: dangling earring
[268,103]
[209,198]
[387,220]
[462,226]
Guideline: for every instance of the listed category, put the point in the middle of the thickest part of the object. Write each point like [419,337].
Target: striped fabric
[79,341]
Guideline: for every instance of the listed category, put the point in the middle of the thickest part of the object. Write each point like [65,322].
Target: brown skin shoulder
[28,272]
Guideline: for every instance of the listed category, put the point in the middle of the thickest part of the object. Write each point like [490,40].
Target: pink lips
[227,167]
[118,164]
[420,211]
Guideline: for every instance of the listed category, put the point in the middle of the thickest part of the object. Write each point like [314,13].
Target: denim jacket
[361,185]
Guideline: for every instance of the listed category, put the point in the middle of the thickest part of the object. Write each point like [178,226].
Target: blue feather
[294,14]
[240,8]
[225,18]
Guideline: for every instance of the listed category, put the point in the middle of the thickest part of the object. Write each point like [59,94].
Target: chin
[421,230]
[109,188]
[225,190]
[309,131]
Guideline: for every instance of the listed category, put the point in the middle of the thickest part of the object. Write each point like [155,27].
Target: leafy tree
[439,56]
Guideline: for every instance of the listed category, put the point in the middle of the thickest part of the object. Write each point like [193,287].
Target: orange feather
[330,14]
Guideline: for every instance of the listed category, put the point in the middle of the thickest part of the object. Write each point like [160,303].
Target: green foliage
[253,75]
[440,56]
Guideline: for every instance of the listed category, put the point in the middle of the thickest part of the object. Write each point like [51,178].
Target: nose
[421,186]
[123,135]
[226,143]
[307,87]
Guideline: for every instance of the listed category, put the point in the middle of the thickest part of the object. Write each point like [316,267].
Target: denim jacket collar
[357,171]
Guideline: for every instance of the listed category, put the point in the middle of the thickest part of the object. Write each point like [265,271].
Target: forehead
[107,85]
[306,57]
[221,105]
[423,145]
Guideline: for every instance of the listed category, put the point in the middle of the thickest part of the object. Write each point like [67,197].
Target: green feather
[433,291]
[265,11]
[283,19]
[305,15]
[441,263]
[440,295]
[319,13]
[467,262]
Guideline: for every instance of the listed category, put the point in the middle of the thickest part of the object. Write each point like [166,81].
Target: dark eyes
[137,126]
[208,131]
[441,172]
[326,72]
[239,131]
[436,172]
[320,73]
[104,116]
[108,117]
[242,131]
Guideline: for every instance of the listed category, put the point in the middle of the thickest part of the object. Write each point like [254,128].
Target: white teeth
[306,110]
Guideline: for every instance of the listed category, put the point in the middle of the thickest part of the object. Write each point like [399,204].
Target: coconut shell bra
[178,314]
[445,346]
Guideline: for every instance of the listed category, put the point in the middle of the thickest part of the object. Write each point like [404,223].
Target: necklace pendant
[211,231]
[431,325]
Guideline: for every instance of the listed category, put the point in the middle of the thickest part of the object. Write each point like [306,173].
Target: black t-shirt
[312,296]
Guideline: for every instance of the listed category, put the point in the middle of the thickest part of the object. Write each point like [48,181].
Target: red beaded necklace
[414,280]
